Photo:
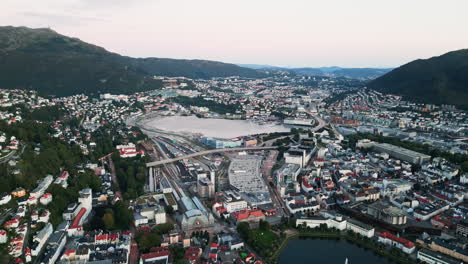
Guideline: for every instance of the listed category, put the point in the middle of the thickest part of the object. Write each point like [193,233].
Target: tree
[464,166]
[170,210]
[296,137]
[164,228]
[125,216]
[178,253]
[148,240]
[108,220]
[243,229]
[264,225]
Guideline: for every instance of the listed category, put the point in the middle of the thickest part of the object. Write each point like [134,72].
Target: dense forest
[54,156]
[40,155]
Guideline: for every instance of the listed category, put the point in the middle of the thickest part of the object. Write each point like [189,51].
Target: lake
[327,251]
[213,127]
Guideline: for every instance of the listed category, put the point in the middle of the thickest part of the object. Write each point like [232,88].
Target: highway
[205,152]
[321,122]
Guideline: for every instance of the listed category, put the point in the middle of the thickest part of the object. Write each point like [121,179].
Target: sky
[288,33]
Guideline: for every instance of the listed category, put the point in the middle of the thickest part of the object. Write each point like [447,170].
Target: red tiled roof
[77,219]
[102,237]
[64,174]
[193,253]
[306,183]
[156,254]
[244,214]
[400,240]
[69,251]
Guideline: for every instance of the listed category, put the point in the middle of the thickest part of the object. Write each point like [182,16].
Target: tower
[151,179]
[213,177]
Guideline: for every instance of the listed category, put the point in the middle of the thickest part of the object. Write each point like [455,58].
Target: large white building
[338,222]
[79,212]
[155,214]
[298,156]
[5,198]
[464,178]
[432,257]
[41,238]
[404,245]
[3,236]
[360,228]
[232,201]
[288,173]
[402,153]
[41,187]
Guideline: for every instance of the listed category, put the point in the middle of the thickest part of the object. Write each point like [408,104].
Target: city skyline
[298,34]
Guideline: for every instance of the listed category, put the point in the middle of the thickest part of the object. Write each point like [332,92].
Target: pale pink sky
[349,33]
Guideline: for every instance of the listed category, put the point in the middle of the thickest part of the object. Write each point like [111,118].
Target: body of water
[328,251]
[213,127]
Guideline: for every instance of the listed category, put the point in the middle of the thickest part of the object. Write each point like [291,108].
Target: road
[133,255]
[321,122]
[12,154]
[205,152]
[270,142]
[115,181]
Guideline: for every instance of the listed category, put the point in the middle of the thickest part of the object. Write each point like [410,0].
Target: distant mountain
[438,80]
[195,68]
[43,60]
[261,67]
[356,73]
[333,71]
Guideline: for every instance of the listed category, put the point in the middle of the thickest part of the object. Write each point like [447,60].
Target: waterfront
[212,127]
[327,251]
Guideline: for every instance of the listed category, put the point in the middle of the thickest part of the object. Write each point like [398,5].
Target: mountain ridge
[439,80]
[44,60]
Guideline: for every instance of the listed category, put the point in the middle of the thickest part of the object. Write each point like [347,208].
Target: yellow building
[19,192]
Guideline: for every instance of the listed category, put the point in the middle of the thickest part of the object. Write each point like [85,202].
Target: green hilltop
[438,80]
[43,60]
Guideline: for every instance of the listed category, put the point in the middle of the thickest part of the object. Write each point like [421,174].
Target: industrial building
[206,185]
[205,188]
[288,173]
[219,143]
[388,214]
[195,217]
[244,176]
[428,256]
[299,156]
[402,153]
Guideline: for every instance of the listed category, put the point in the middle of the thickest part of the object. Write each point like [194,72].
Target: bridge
[205,152]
